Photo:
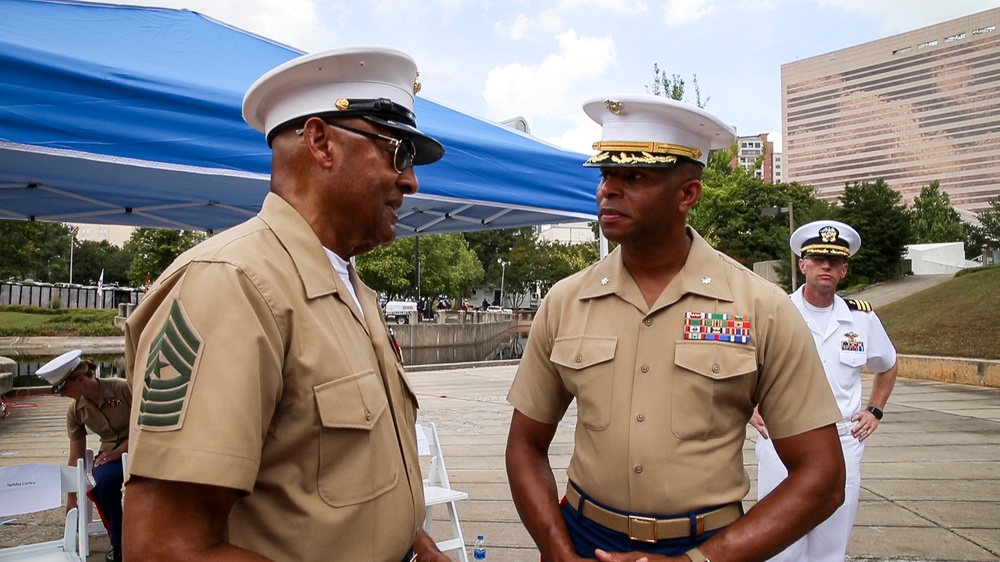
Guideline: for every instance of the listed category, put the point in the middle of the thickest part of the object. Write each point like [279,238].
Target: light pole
[503,273]
[775,211]
[72,239]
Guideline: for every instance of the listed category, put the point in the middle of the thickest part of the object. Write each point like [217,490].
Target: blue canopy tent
[126,115]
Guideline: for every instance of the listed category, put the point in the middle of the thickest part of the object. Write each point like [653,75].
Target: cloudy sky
[541,59]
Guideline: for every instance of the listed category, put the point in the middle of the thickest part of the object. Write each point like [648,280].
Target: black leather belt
[650,529]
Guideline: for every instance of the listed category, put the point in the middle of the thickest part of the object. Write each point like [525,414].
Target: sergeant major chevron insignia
[170,369]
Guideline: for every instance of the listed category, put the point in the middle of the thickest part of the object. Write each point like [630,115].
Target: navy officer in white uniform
[848,335]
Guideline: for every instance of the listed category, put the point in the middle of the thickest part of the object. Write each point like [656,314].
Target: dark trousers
[588,536]
[107,494]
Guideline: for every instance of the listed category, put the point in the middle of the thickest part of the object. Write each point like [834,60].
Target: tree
[987,233]
[447,267]
[875,211]
[91,257]
[730,214]
[35,250]
[673,86]
[154,249]
[934,219]
[493,245]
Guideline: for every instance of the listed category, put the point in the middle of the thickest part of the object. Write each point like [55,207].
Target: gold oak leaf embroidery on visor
[170,369]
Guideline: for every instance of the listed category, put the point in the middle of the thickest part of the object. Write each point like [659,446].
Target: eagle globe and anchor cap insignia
[170,368]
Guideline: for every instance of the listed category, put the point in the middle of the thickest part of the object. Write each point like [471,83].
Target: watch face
[875,412]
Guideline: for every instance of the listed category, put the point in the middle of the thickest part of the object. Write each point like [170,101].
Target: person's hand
[758,423]
[603,556]
[106,457]
[865,424]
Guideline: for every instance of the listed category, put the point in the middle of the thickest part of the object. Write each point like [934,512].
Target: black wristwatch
[875,412]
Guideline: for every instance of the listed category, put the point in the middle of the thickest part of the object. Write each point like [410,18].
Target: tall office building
[909,109]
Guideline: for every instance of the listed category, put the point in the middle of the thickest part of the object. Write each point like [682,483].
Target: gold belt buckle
[636,523]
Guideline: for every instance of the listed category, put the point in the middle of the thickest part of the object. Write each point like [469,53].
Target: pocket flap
[353,402]
[715,360]
[853,358]
[580,352]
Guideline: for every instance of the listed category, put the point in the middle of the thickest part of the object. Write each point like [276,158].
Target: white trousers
[828,541]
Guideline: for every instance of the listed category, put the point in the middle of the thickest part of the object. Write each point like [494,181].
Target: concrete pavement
[931,475]
[891,291]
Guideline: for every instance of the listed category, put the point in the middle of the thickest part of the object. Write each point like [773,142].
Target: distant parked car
[399,311]
[495,308]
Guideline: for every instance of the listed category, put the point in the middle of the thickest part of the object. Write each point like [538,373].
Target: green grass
[26,321]
[954,319]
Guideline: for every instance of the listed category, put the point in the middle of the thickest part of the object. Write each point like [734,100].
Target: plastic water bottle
[479,553]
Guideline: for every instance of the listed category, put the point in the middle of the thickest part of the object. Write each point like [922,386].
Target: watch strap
[875,412]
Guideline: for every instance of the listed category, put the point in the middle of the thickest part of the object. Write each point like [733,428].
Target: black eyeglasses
[404,149]
[820,259]
[62,386]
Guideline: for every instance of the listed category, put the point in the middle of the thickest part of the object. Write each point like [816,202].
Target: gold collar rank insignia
[170,369]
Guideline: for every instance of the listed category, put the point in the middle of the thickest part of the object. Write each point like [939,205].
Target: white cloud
[681,12]
[580,139]
[517,30]
[542,90]
[618,6]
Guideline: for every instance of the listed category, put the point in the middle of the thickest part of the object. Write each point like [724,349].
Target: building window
[984,30]
[955,37]
[928,44]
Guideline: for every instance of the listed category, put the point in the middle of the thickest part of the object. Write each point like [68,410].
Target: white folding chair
[124,476]
[438,490]
[88,511]
[30,488]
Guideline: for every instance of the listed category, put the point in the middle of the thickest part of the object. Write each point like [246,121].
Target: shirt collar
[704,274]
[302,244]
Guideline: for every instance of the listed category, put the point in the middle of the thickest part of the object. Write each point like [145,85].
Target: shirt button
[644,368]
[715,368]
[638,469]
[579,358]
[368,415]
[641,417]
[648,321]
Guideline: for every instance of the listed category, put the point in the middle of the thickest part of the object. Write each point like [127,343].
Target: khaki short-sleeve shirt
[109,419]
[661,418]
[258,372]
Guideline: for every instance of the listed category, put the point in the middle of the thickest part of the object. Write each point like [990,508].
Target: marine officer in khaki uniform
[276,421]
[848,335]
[100,406]
[666,345]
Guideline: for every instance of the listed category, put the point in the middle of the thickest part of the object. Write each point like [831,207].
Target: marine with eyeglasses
[275,420]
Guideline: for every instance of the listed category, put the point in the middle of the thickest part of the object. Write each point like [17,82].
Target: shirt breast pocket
[854,359]
[358,454]
[712,387]
[586,365]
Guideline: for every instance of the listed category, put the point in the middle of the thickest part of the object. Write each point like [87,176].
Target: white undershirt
[821,316]
[340,266]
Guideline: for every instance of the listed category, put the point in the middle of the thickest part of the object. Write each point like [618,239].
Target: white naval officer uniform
[853,338]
